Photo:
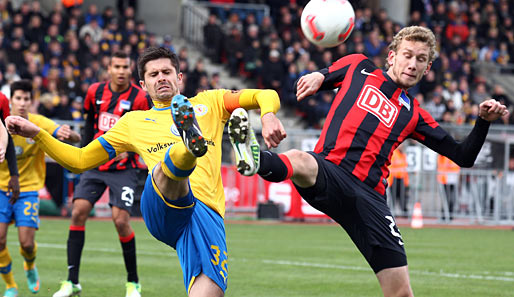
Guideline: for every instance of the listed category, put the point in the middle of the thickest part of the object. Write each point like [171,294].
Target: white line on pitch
[307,264]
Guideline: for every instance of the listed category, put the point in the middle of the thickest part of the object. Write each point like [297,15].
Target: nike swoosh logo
[70,266]
[363,71]
[99,102]
[148,119]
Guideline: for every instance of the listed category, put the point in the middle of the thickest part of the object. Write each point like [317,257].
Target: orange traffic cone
[417,216]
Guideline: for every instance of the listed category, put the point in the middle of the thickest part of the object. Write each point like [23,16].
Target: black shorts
[122,185]
[361,211]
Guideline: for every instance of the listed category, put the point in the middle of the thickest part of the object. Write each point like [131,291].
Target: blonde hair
[415,33]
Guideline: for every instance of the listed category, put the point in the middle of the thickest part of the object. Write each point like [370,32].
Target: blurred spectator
[108,14]
[252,59]
[92,14]
[213,39]
[92,29]
[124,5]
[234,48]
[458,27]
[274,71]
[373,45]
[436,107]
[167,42]
[452,93]
[500,95]
[76,109]
[479,94]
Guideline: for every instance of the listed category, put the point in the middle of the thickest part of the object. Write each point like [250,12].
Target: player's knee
[27,245]
[404,291]
[3,243]
[305,167]
[121,223]
[79,216]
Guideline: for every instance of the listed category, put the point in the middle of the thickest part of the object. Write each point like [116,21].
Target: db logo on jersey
[106,121]
[375,102]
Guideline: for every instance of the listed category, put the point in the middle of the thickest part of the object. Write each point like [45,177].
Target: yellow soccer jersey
[30,158]
[150,133]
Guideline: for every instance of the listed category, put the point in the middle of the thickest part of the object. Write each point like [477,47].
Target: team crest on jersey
[200,110]
[174,130]
[18,150]
[125,105]
[375,102]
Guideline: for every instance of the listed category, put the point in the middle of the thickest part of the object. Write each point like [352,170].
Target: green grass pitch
[268,259]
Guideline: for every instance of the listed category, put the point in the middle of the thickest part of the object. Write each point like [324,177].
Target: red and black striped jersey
[4,106]
[369,117]
[103,108]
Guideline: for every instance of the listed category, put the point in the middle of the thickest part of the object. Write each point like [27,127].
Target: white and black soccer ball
[327,23]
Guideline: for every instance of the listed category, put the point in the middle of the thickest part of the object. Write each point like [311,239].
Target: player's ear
[390,57]
[428,68]
[143,85]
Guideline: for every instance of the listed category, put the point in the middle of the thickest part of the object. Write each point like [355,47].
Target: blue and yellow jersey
[150,133]
[30,158]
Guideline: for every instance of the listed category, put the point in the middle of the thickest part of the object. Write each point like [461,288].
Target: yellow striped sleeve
[266,100]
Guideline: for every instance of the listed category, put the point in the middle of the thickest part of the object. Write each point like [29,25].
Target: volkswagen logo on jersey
[174,130]
[200,110]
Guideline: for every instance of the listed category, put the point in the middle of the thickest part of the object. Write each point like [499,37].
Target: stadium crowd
[66,50]
[272,52]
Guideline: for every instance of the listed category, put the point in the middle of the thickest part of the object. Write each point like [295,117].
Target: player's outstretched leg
[246,147]
[184,118]
[68,289]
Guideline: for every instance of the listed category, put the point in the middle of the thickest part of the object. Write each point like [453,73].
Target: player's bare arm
[13,187]
[308,85]
[273,131]
[491,110]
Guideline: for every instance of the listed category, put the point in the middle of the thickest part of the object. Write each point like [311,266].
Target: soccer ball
[327,23]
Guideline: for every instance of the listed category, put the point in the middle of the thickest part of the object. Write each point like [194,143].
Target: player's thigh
[26,210]
[165,219]
[26,236]
[90,187]
[122,185]
[203,248]
[204,286]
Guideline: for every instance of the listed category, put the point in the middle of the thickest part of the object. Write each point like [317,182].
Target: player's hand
[308,85]
[272,130]
[491,110]
[13,188]
[121,156]
[17,125]
[64,133]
